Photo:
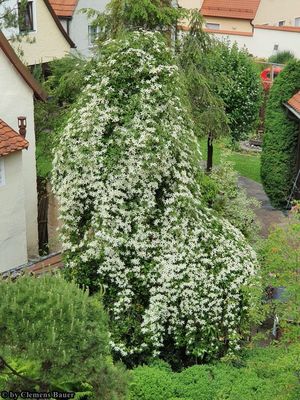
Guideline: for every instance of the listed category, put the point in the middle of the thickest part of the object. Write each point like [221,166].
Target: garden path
[267,215]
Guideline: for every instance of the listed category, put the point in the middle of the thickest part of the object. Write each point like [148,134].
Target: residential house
[245,22]
[241,15]
[18,189]
[278,13]
[230,15]
[41,35]
[76,22]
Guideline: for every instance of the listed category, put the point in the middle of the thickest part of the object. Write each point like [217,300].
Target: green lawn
[246,164]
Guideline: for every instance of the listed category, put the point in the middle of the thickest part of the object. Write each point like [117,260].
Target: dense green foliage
[240,88]
[62,86]
[56,337]
[278,169]
[130,15]
[280,260]
[222,193]
[265,374]
[282,57]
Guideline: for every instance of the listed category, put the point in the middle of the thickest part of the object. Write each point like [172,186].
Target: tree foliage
[278,169]
[55,337]
[263,373]
[240,87]
[126,173]
[131,15]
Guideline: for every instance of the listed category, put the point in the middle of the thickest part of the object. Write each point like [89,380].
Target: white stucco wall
[79,24]
[17,100]
[13,251]
[262,43]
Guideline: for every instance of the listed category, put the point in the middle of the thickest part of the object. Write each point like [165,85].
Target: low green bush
[271,373]
[55,337]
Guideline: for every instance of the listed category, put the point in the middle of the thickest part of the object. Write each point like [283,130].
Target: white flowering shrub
[127,173]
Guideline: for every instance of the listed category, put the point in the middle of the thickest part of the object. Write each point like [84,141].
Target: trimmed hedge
[264,374]
[278,169]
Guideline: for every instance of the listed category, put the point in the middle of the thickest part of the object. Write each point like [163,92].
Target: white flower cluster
[126,173]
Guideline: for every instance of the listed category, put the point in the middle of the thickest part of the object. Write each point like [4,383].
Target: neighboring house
[76,23]
[241,15]
[41,35]
[18,189]
[278,12]
[230,15]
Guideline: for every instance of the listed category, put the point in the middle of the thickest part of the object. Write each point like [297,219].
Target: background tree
[127,175]
[241,88]
[278,168]
[131,15]
[207,107]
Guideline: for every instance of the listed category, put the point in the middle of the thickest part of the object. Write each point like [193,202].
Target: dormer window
[26,16]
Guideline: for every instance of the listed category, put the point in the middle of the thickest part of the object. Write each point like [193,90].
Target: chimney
[22,123]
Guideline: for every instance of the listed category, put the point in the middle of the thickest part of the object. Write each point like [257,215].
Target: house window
[297,21]
[281,23]
[212,26]
[2,173]
[93,33]
[25,16]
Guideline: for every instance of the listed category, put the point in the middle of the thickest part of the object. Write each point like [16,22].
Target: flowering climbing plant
[127,175]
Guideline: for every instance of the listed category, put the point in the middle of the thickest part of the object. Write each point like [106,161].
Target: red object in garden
[268,75]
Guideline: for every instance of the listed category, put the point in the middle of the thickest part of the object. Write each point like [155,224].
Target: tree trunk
[210,152]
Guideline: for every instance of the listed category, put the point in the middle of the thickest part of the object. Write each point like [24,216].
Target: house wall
[13,251]
[190,4]
[272,11]
[45,43]
[261,44]
[231,24]
[80,22]
[17,100]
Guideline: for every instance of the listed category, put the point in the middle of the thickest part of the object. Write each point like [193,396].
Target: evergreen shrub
[55,336]
[278,168]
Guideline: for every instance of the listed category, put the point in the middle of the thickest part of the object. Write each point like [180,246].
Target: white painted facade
[79,25]
[13,251]
[44,43]
[17,100]
[263,42]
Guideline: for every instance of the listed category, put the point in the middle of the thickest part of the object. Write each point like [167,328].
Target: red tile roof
[64,8]
[241,9]
[294,102]
[10,140]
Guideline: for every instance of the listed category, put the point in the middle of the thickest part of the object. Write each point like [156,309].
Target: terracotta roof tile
[64,8]
[294,102]
[242,9]
[10,140]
